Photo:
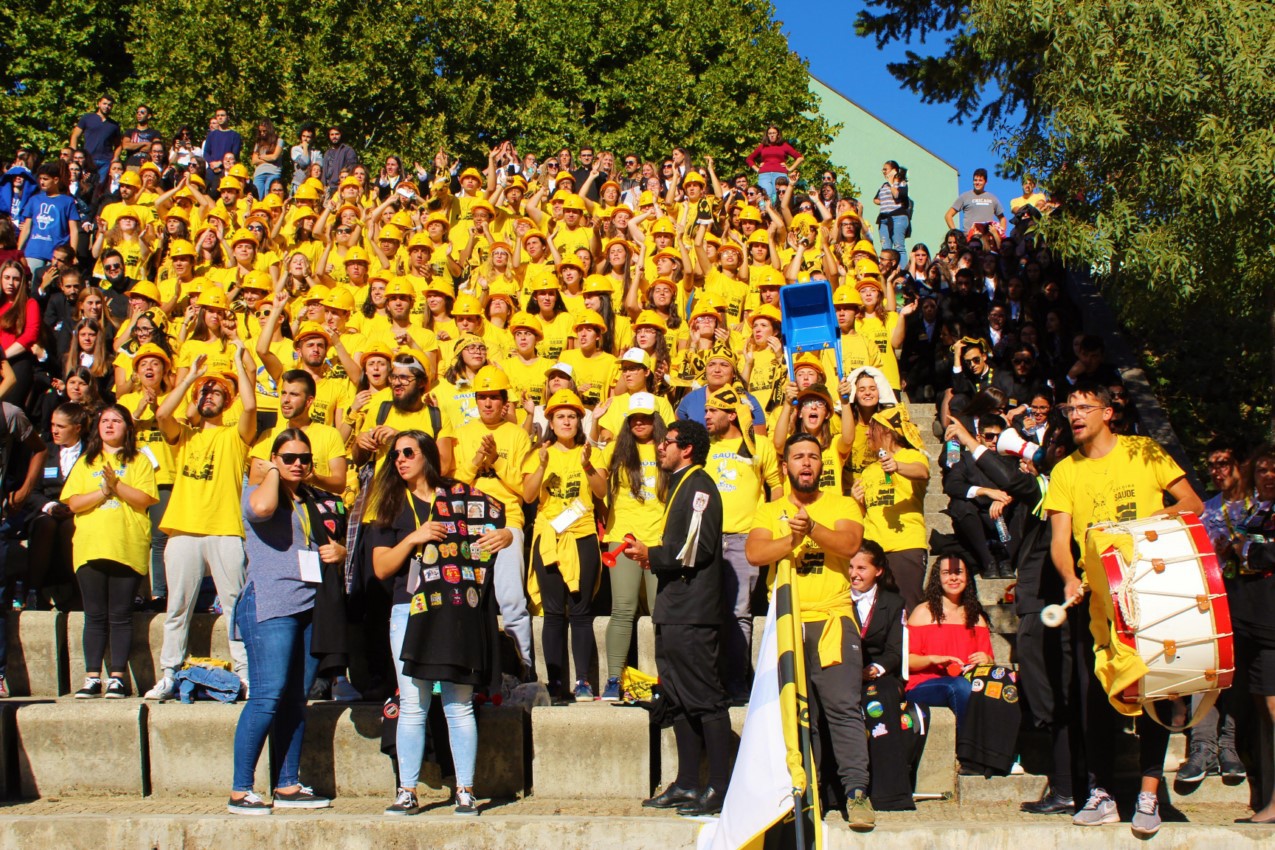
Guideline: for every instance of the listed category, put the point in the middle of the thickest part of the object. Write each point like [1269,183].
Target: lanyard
[303,517]
[411,503]
[677,489]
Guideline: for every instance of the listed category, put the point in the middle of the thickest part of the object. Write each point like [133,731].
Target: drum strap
[1206,703]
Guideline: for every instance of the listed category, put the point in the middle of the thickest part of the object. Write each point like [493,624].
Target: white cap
[564,368]
[638,356]
[641,403]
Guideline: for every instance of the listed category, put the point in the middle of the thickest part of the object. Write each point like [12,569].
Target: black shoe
[92,688]
[674,795]
[1005,568]
[1050,803]
[116,689]
[321,690]
[1231,768]
[302,798]
[709,803]
[1199,764]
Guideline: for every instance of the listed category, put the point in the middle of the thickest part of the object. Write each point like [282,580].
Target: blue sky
[823,34]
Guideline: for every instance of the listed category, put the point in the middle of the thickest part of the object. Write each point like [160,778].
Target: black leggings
[561,606]
[108,588]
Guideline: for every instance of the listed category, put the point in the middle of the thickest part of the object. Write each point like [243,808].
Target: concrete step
[981,791]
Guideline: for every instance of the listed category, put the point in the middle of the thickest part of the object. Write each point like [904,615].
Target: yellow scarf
[1116,664]
[557,549]
[830,611]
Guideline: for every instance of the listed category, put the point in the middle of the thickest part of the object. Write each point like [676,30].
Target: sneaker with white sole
[165,688]
[115,688]
[1146,815]
[92,688]
[404,804]
[466,803]
[302,798]
[611,693]
[250,804]
[1099,809]
[582,692]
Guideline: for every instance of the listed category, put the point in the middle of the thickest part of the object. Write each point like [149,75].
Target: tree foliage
[406,76]
[1154,124]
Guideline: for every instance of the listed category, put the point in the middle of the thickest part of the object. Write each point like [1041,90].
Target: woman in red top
[770,161]
[19,327]
[946,634]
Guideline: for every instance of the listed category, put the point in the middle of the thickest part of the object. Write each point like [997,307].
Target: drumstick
[1054,615]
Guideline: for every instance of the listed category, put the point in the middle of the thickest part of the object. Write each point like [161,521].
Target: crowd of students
[459,380]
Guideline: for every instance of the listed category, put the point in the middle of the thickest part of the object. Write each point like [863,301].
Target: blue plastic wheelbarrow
[809,321]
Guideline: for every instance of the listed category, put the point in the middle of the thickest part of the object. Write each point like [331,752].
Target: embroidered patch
[998,673]
[875,709]
[451,574]
[480,575]
[440,508]
[471,596]
[431,574]
[476,510]
[1010,694]
[467,573]
[457,599]
[435,599]
[982,671]
[418,604]
[977,685]
[430,555]
[464,549]
[462,529]
[700,502]
[458,508]
[879,730]
[994,690]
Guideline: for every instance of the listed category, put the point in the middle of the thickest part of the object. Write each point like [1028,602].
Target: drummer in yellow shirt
[1111,478]
[891,492]
[810,536]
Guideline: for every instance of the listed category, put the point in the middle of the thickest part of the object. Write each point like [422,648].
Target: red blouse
[30,331]
[945,639]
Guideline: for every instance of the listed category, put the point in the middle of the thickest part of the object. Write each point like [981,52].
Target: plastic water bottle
[882,454]
[1002,530]
[953,453]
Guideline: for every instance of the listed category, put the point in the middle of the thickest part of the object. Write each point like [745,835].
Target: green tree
[406,77]
[57,58]
[1154,124]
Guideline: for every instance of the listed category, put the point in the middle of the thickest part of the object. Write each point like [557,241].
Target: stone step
[1002,790]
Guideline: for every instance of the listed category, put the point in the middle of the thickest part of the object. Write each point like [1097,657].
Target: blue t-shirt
[51,219]
[101,137]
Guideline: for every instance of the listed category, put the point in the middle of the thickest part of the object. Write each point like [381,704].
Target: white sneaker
[165,688]
[1098,810]
[343,691]
[1146,816]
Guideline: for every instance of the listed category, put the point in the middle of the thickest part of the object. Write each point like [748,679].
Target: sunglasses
[972,361]
[343,231]
[407,453]
[113,267]
[630,162]
[289,458]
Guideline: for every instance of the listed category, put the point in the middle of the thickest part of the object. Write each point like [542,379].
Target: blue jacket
[7,199]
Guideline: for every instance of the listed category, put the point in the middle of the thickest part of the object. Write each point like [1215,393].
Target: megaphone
[1010,442]
[609,558]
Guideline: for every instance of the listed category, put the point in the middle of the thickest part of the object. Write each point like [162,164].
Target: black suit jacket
[690,595]
[883,637]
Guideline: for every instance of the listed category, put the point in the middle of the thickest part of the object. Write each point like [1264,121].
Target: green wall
[865,142]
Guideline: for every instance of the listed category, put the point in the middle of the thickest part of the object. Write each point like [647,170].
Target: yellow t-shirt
[878,333]
[627,514]
[820,576]
[732,291]
[525,379]
[419,420]
[1127,483]
[563,483]
[742,480]
[767,379]
[333,395]
[209,485]
[856,351]
[458,403]
[325,444]
[504,483]
[570,241]
[556,334]
[150,438]
[113,530]
[895,511]
[594,375]
[267,389]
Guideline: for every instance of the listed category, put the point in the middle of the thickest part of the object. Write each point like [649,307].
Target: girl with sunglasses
[294,539]
[443,619]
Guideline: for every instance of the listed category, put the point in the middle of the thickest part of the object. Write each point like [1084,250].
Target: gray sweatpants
[738,582]
[511,595]
[186,558]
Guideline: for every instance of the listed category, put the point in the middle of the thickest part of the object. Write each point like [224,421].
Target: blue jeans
[951,691]
[104,170]
[891,229]
[766,182]
[263,181]
[414,696]
[280,673]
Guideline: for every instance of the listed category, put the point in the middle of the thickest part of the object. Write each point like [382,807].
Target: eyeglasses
[1082,409]
[671,441]
[630,162]
[406,453]
[289,458]
[343,231]
[814,402]
[402,379]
